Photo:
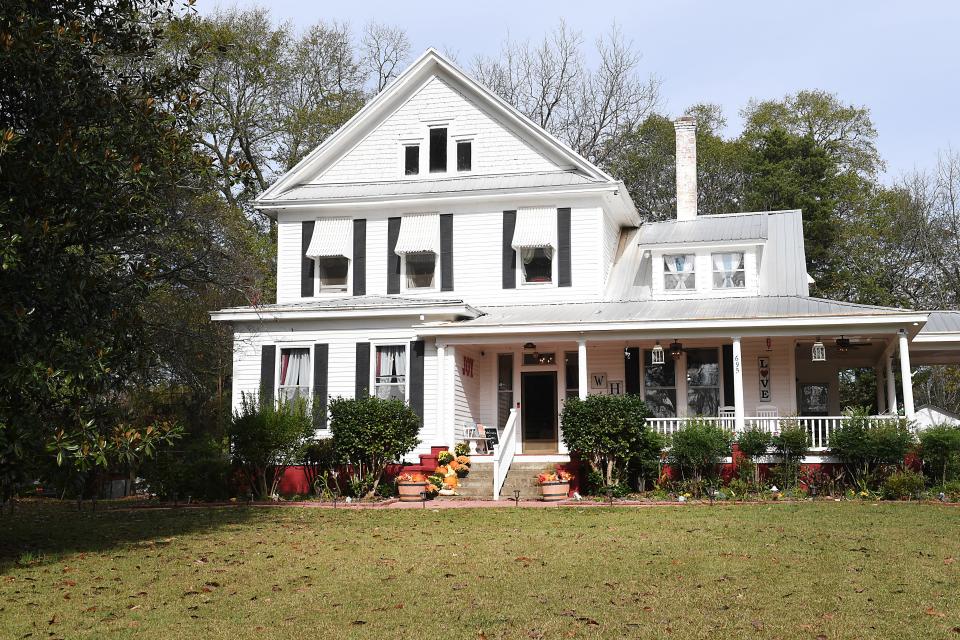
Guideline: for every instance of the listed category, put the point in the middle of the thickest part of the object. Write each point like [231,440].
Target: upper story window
[465,155]
[331,248]
[390,373]
[535,241]
[411,159]
[679,272]
[418,246]
[294,378]
[438,150]
[728,271]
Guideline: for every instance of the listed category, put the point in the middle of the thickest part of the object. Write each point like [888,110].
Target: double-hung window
[294,375]
[535,241]
[660,386]
[411,160]
[390,373]
[703,382]
[728,270]
[438,150]
[679,272]
[331,248]
[418,246]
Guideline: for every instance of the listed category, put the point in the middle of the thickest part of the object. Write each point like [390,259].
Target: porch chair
[767,419]
[474,433]
[727,415]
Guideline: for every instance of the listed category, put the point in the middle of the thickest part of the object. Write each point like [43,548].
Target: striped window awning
[536,228]
[419,233]
[332,237]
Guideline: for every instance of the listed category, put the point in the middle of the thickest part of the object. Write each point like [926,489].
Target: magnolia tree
[369,433]
[609,432]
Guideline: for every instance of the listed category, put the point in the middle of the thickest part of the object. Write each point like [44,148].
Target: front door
[538,411]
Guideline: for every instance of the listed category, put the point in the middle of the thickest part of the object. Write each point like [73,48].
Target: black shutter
[268,364]
[446,252]
[728,375]
[416,378]
[321,354]
[307,264]
[564,270]
[393,260]
[360,257]
[631,366]
[363,370]
[509,255]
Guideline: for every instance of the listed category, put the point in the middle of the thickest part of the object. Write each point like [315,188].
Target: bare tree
[384,49]
[588,108]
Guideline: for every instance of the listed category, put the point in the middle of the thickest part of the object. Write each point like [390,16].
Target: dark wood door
[538,411]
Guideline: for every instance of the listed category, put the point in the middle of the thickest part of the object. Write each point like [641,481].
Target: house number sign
[764,370]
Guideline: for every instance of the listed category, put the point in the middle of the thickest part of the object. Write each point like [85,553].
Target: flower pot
[410,491]
[554,491]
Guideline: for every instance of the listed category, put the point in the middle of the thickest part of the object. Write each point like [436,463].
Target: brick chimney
[686,128]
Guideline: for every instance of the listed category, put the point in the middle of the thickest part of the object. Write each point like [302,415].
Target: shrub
[697,449]
[864,445]
[266,437]
[754,443]
[370,433]
[940,448]
[320,462]
[902,484]
[197,468]
[609,432]
[738,489]
[791,444]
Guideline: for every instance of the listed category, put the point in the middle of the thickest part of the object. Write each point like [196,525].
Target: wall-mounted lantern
[676,350]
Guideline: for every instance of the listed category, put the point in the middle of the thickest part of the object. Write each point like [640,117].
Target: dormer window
[418,245]
[728,271]
[679,272]
[411,160]
[438,150]
[465,155]
[330,248]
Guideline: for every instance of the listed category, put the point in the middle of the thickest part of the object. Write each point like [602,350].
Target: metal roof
[707,228]
[435,186]
[751,307]
[942,322]
[352,303]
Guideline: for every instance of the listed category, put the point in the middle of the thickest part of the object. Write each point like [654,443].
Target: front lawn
[824,570]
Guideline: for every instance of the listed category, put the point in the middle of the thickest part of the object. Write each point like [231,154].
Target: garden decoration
[554,485]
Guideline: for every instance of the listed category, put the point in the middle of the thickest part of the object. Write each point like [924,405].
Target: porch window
[728,271]
[294,374]
[679,272]
[703,382]
[660,386]
[390,380]
[571,363]
[504,388]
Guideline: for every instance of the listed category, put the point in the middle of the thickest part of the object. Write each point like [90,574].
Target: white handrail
[504,451]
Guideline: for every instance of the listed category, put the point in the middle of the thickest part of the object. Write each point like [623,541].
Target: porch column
[891,386]
[738,415]
[906,376]
[878,373]
[582,381]
[443,429]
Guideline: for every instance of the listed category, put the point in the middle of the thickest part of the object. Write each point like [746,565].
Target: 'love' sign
[765,395]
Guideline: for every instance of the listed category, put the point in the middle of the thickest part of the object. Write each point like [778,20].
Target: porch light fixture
[529,346]
[819,352]
[656,354]
[843,344]
[676,350]
[626,353]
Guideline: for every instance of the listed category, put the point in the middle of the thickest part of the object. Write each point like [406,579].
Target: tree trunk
[609,472]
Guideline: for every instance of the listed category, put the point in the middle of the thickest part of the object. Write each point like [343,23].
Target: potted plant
[554,485]
[462,466]
[410,486]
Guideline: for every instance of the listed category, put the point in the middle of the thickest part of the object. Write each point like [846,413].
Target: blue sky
[898,58]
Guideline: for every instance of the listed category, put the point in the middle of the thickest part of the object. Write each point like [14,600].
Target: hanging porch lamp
[819,352]
[676,350]
[656,354]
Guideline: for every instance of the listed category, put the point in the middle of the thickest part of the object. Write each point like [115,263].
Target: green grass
[848,570]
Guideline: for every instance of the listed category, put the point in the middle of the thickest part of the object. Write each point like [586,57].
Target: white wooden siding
[378,156]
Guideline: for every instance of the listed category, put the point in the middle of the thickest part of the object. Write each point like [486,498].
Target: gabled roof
[431,63]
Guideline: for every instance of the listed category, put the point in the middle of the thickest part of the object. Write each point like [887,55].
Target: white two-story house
[443,249]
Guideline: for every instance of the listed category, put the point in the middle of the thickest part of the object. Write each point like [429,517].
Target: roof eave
[257,314]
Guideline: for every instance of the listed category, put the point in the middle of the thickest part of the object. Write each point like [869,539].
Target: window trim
[714,272]
[679,410]
[446,165]
[436,275]
[666,272]
[319,293]
[298,344]
[457,140]
[386,342]
[402,144]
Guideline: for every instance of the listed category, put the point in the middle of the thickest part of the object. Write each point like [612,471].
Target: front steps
[478,485]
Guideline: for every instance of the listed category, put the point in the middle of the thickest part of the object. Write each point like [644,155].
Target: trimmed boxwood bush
[370,433]
[609,433]
[697,449]
[865,445]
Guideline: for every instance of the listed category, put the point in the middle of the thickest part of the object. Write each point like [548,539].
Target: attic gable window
[438,150]
[679,272]
[411,160]
[465,156]
[728,271]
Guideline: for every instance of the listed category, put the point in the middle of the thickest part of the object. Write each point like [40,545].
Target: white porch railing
[818,428]
[504,451]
